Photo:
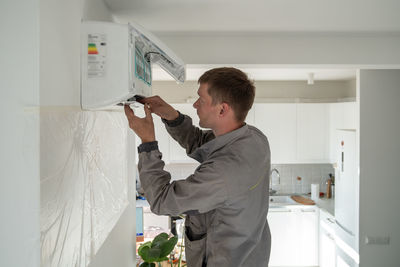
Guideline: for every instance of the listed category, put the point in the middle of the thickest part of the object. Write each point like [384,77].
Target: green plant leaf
[158,249]
[154,255]
[144,253]
[147,244]
[159,238]
[168,246]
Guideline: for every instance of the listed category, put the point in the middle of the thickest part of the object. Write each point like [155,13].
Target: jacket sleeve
[186,134]
[200,192]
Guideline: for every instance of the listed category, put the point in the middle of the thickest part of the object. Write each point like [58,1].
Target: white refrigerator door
[346,191]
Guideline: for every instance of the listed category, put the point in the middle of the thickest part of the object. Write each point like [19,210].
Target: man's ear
[225,108]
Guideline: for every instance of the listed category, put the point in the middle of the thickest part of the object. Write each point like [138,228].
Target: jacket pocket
[195,249]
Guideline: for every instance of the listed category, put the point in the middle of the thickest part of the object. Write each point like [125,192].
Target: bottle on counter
[329,188]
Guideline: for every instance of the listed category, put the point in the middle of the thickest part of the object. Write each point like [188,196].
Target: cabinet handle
[330,220]
[279,210]
[330,236]
[345,229]
[303,210]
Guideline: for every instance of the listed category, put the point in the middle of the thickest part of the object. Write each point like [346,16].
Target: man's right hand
[158,106]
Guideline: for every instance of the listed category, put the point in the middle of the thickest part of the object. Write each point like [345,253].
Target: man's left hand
[143,127]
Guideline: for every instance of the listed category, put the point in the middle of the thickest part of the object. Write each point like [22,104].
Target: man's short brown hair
[231,86]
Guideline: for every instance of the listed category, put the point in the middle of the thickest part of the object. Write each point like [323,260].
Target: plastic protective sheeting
[84,183]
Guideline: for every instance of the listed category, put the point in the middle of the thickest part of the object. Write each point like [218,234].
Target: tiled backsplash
[288,183]
[309,173]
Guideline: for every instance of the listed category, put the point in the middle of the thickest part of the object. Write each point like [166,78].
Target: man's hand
[158,106]
[143,127]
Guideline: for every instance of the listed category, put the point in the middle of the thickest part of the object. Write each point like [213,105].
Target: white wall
[379,166]
[19,142]
[93,175]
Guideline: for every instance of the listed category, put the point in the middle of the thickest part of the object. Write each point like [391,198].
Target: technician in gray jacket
[226,199]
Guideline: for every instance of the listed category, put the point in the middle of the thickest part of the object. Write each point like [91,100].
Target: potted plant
[157,250]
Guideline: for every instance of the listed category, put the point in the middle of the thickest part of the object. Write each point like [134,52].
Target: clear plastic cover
[156,52]
[84,183]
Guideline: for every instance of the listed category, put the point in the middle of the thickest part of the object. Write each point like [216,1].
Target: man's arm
[179,126]
[200,192]
[186,134]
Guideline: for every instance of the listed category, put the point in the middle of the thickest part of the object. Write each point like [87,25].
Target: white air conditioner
[116,63]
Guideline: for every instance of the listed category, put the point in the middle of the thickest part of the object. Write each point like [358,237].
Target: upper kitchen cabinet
[250,116]
[312,133]
[278,123]
[161,133]
[297,133]
[349,115]
[177,154]
[162,137]
[341,116]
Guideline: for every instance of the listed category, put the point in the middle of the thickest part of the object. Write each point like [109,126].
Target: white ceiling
[264,73]
[260,15]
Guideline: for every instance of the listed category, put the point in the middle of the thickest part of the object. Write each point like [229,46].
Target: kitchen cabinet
[250,116]
[294,236]
[297,132]
[308,236]
[162,137]
[312,133]
[161,133]
[327,246]
[278,123]
[341,116]
[282,224]
[177,154]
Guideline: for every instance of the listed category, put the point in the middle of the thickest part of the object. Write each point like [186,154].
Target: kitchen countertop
[327,204]
[323,203]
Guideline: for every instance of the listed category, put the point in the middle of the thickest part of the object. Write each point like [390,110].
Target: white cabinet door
[312,133]
[176,152]
[278,123]
[307,225]
[327,246]
[341,116]
[161,133]
[162,137]
[327,252]
[294,236]
[349,115]
[284,241]
[250,116]
[335,120]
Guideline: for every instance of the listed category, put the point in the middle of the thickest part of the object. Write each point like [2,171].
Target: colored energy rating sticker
[92,49]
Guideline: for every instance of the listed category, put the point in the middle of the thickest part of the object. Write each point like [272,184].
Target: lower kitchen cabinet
[294,232]
[327,246]
[327,252]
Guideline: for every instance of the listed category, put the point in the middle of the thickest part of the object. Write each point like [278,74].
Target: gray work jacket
[226,198]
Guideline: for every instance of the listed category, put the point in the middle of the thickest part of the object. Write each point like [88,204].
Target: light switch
[377,240]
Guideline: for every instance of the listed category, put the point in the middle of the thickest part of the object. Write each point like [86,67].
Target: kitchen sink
[281,200]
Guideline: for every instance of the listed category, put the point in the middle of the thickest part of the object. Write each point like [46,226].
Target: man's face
[207,112]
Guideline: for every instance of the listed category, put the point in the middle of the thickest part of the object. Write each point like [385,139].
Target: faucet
[271,191]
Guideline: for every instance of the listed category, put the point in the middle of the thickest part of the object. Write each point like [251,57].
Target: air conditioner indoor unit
[116,63]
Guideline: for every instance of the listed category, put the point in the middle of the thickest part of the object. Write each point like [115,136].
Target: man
[226,199]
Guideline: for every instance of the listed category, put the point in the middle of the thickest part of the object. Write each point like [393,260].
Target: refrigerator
[347,199]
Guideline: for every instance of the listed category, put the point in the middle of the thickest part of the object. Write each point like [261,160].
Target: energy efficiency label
[97,55]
